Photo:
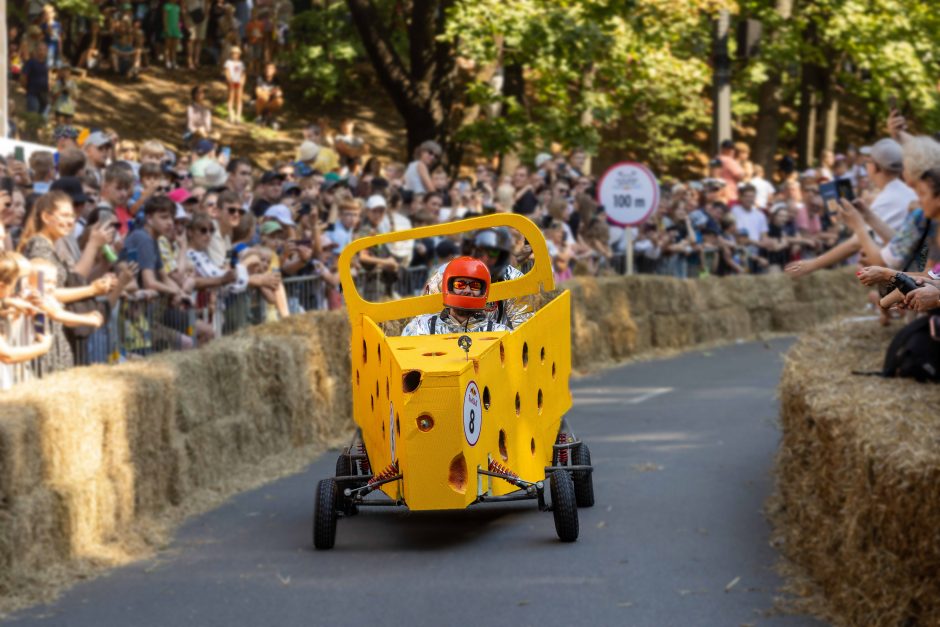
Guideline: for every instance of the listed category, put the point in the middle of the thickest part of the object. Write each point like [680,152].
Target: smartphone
[39,320]
[233,258]
[829,191]
[227,152]
[305,210]
[844,189]
[892,103]
[19,153]
[132,256]
[6,184]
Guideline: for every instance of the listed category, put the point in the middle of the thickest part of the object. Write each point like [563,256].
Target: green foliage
[327,47]
[591,67]
[869,50]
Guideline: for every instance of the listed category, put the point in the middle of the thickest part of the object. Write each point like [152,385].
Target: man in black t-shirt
[268,96]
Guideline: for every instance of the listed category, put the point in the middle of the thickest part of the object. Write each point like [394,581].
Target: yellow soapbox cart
[448,421]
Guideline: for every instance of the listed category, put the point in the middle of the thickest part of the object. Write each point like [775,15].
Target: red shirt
[125,218]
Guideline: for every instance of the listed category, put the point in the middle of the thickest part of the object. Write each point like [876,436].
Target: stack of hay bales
[617,317]
[856,510]
[97,463]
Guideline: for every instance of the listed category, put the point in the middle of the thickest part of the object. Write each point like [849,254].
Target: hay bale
[673,331]
[856,511]
[728,323]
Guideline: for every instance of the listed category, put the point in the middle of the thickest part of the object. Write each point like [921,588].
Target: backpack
[915,351]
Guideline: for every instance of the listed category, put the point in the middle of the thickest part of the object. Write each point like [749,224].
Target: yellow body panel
[531,363]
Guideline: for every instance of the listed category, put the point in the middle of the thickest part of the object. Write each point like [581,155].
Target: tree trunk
[830,112]
[423,90]
[768,116]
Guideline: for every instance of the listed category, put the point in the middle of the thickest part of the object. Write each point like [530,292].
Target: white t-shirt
[891,204]
[234,71]
[754,222]
[413,179]
[765,190]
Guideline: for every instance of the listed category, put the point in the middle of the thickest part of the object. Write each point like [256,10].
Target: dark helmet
[497,238]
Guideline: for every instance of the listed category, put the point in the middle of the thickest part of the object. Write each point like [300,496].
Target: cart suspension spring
[562,453]
[495,466]
[364,462]
[388,473]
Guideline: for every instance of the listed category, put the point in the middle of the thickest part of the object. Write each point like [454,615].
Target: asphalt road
[682,449]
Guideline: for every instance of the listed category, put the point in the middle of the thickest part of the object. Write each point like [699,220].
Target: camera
[904,283]
[899,285]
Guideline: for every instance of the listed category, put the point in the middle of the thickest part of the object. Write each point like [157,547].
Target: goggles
[463,284]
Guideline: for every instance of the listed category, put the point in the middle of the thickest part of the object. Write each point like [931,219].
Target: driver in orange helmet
[465,286]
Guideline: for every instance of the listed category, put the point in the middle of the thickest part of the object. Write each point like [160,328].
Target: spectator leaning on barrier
[12,309]
[141,247]
[884,170]
[52,218]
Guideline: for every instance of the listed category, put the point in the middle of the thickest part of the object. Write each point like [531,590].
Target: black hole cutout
[410,381]
[486,398]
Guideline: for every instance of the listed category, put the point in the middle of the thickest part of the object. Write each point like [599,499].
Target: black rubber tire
[564,506]
[325,514]
[583,479]
[344,465]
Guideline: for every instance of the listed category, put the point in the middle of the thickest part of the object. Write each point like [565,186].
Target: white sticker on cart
[472,414]
[391,428]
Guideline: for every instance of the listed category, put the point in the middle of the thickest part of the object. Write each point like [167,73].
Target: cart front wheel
[564,506]
[583,479]
[324,514]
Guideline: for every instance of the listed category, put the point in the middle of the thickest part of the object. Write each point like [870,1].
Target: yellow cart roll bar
[540,277]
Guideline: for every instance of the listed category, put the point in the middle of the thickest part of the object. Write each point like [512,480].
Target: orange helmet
[472,269]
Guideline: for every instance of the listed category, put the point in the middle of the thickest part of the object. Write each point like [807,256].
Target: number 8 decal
[472,416]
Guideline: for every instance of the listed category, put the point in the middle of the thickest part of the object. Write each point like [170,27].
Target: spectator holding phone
[52,218]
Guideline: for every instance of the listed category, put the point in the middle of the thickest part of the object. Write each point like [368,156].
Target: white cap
[214,175]
[281,213]
[308,151]
[542,158]
[181,213]
[375,201]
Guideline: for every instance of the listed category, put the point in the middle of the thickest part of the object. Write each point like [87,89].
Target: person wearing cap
[378,259]
[466,286]
[268,192]
[65,137]
[494,247]
[884,167]
[97,149]
[204,150]
[418,173]
[213,177]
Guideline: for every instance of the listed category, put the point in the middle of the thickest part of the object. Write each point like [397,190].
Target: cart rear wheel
[564,506]
[583,479]
[344,465]
[324,514]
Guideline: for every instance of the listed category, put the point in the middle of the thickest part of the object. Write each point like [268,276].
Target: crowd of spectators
[125,38]
[104,227]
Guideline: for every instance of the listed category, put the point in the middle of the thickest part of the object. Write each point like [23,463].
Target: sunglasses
[462,284]
[206,230]
[491,252]
[165,190]
[234,211]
